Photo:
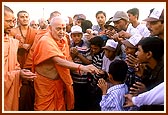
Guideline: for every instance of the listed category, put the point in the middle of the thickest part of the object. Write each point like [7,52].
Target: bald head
[54,14]
[7,9]
[58,27]
[58,20]
[9,19]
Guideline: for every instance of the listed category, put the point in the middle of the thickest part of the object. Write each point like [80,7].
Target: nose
[136,53]
[148,25]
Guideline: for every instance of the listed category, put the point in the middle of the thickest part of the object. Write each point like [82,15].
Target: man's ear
[110,77]
[149,54]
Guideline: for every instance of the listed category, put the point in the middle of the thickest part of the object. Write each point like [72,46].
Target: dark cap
[120,15]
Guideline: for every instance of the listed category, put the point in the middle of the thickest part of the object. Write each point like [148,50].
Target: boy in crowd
[131,60]
[113,97]
[80,53]
[110,54]
[150,52]
[96,44]
[133,19]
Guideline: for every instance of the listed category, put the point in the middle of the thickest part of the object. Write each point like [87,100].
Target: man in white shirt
[154,96]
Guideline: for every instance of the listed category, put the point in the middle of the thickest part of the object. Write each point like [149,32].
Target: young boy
[96,44]
[110,54]
[131,60]
[80,54]
[113,97]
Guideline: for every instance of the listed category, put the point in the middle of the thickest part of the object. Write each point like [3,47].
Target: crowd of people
[69,64]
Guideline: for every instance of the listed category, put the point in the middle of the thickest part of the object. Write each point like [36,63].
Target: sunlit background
[37,10]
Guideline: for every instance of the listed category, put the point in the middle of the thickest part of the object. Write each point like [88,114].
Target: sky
[37,10]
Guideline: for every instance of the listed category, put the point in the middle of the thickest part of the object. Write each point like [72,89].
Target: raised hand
[103,85]
[137,88]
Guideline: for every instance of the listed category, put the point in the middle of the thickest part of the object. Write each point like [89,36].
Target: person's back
[113,97]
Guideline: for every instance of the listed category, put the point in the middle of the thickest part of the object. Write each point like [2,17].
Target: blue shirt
[96,28]
[114,98]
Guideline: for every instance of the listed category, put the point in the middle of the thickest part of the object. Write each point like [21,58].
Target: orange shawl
[47,48]
[12,81]
[29,40]
[28,62]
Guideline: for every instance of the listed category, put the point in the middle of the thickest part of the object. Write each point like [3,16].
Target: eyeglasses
[11,21]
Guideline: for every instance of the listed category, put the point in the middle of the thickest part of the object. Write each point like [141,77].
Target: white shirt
[107,62]
[143,30]
[131,30]
[153,97]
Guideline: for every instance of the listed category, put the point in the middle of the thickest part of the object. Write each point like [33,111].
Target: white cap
[156,15]
[111,45]
[132,41]
[76,29]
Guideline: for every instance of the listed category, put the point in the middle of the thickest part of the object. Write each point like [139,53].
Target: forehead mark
[63,24]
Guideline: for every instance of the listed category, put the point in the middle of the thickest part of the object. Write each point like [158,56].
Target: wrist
[79,69]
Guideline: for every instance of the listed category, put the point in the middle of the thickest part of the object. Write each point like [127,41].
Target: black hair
[118,70]
[134,11]
[86,24]
[153,44]
[22,11]
[101,12]
[97,41]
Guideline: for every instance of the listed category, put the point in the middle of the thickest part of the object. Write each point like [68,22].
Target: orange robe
[53,94]
[12,82]
[28,62]
[22,53]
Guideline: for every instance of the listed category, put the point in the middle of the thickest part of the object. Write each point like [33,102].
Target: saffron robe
[53,94]
[29,60]
[12,82]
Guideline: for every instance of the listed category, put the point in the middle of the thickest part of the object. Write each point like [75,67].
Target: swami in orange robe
[53,85]
[26,101]
[12,82]
[22,53]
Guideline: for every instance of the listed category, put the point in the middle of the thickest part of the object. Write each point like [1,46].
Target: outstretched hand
[90,68]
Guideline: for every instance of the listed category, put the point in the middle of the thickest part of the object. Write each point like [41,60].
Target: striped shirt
[85,51]
[114,98]
[97,60]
